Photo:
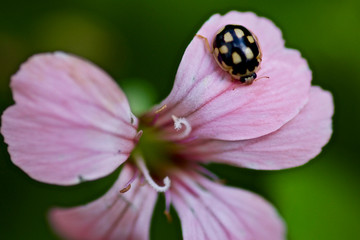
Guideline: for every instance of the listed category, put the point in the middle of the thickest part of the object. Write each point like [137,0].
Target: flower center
[158,154]
[155,154]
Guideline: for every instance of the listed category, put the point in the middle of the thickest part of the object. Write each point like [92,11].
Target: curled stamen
[128,184]
[167,205]
[178,123]
[142,167]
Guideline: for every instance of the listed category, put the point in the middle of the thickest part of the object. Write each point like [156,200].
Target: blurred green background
[127,38]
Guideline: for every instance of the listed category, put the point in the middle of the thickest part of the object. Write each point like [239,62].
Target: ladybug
[237,51]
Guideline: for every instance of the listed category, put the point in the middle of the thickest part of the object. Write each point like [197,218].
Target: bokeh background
[140,43]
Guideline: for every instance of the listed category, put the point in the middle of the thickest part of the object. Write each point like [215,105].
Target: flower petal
[294,144]
[217,107]
[71,122]
[208,210]
[113,216]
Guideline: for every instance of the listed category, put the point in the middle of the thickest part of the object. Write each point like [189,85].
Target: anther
[168,216]
[167,206]
[160,109]
[128,184]
[125,189]
[156,117]
[138,135]
[142,167]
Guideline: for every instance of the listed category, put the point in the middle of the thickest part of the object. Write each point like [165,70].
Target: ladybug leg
[206,43]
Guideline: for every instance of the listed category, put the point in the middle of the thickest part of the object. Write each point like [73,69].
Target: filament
[142,167]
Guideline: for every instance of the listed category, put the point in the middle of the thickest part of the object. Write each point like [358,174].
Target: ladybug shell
[237,51]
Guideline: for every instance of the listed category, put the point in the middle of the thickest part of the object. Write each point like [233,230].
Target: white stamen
[167,182]
[178,123]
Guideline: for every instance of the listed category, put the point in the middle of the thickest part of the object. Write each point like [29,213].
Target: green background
[140,43]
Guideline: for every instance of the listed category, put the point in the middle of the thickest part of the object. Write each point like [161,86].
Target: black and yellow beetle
[237,51]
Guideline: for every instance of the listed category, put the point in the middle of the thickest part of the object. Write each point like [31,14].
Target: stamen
[125,189]
[189,139]
[155,119]
[157,114]
[178,123]
[209,174]
[142,167]
[142,181]
[167,205]
[160,109]
[128,184]
[138,135]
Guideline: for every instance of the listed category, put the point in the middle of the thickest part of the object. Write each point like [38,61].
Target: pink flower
[71,122]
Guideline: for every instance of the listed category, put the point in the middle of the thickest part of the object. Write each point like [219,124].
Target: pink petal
[208,210]
[217,107]
[294,144]
[113,216]
[70,122]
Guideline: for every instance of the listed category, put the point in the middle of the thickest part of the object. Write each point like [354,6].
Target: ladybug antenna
[261,78]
